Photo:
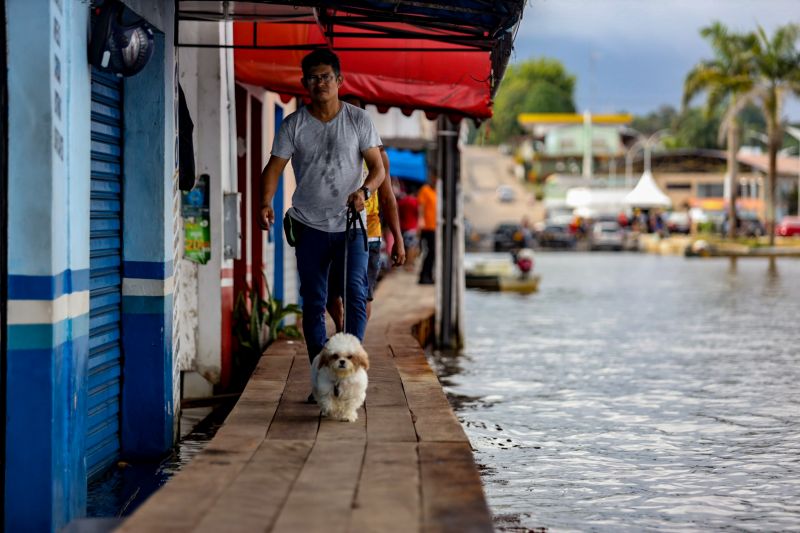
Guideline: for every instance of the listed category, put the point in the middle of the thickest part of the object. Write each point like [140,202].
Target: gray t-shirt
[327,162]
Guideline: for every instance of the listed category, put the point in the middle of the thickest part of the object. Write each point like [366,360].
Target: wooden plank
[425,394]
[375,338]
[254,499]
[452,496]
[385,387]
[433,417]
[390,424]
[437,425]
[383,370]
[388,498]
[295,419]
[414,367]
[298,383]
[386,392]
[284,347]
[338,431]
[407,349]
[321,499]
[252,415]
[272,368]
[181,503]
[265,391]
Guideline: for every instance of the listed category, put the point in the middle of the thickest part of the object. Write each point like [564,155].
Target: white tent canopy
[646,194]
[590,203]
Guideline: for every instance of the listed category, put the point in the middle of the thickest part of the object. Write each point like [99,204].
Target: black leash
[353,220]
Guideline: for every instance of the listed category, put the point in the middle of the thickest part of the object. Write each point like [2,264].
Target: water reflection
[636,392]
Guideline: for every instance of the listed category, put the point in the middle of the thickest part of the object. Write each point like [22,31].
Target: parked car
[788,227]
[556,236]
[750,225]
[607,236]
[505,193]
[679,222]
[509,236]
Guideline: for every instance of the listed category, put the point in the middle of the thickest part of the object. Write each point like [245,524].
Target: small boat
[504,275]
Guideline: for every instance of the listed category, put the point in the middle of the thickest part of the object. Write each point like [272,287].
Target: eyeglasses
[325,78]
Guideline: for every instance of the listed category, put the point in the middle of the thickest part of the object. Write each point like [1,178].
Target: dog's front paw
[350,417]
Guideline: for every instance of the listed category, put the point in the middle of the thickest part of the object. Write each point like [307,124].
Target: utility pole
[587,145]
[449,240]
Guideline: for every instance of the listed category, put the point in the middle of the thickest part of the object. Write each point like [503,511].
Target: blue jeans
[317,253]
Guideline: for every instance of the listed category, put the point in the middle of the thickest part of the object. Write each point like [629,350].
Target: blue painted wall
[48,258]
[48,197]
[149,164]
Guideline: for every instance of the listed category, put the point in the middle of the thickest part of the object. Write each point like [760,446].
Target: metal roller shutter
[105,348]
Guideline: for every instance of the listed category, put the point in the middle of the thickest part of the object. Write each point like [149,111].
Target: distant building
[695,178]
[691,178]
[566,143]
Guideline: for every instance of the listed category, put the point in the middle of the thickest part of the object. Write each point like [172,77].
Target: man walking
[327,142]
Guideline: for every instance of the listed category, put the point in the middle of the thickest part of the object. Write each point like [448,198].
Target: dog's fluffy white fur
[339,377]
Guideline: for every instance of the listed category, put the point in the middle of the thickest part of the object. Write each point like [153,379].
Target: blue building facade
[88,339]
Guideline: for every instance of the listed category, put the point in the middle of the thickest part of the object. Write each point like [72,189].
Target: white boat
[502,274]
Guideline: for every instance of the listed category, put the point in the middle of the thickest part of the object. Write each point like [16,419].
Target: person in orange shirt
[427,203]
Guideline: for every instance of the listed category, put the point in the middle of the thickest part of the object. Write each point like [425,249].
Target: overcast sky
[633,55]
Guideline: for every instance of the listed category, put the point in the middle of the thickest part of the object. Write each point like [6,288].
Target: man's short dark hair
[321,56]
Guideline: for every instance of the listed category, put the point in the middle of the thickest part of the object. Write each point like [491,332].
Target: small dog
[339,377]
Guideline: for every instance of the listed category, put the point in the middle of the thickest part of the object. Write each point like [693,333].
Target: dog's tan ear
[324,357]
[361,359]
[327,358]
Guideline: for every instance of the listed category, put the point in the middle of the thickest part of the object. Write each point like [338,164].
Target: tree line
[745,83]
[749,69]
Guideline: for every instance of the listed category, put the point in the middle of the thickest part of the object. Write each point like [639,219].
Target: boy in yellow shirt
[383,201]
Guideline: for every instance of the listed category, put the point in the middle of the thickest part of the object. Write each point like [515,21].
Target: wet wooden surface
[275,465]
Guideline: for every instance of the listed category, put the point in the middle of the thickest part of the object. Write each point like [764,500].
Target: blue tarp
[407,165]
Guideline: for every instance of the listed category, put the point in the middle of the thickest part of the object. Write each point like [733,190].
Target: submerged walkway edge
[275,465]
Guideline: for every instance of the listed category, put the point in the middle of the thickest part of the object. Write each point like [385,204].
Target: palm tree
[724,79]
[775,67]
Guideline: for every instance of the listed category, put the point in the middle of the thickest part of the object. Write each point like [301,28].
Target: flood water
[636,393]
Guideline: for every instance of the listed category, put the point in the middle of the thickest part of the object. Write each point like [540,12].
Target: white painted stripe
[48,311]
[226,282]
[147,287]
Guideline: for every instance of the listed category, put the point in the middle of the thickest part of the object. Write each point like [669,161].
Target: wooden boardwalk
[405,465]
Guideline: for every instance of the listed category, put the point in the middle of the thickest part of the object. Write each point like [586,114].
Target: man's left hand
[398,252]
[356,199]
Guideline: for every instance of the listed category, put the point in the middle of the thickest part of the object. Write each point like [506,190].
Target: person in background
[383,202]
[527,232]
[622,219]
[408,210]
[427,204]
